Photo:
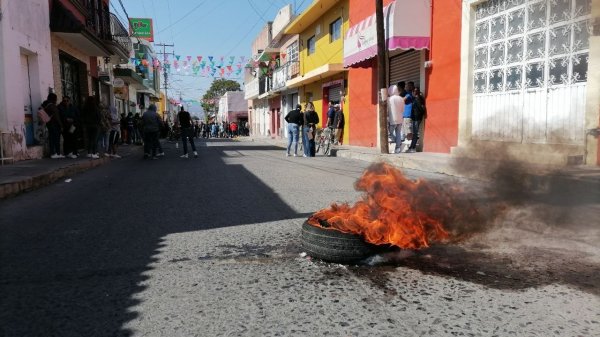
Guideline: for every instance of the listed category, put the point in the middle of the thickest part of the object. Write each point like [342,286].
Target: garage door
[406,67]
[335,93]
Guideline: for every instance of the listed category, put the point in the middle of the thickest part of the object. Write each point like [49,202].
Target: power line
[124,10]
[249,30]
[183,17]
[219,4]
[256,11]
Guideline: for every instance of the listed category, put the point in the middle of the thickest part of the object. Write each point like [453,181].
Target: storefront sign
[142,28]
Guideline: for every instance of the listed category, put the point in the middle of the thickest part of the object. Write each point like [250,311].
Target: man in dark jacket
[294,119]
[418,114]
[54,125]
[151,122]
[185,123]
[69,116]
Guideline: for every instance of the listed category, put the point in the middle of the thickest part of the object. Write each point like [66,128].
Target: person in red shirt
[234,128]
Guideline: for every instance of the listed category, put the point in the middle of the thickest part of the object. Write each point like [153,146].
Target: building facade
[526,87]
[322,76]
[26,75]
[61,46]
[233,108]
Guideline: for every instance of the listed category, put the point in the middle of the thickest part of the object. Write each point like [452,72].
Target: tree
[218,88]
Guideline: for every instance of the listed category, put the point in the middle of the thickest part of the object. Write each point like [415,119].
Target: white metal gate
[530,70]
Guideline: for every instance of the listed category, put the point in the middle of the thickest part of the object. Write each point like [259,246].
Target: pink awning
[410,29]
[410,23]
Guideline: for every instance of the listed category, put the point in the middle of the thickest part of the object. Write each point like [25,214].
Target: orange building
[407,29]
[443,78]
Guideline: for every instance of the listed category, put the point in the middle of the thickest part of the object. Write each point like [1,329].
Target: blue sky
[202,28]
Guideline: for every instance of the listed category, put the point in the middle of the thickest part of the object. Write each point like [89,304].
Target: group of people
[406,112]
[306,122]
[96,123]
[151,125]
[102,129]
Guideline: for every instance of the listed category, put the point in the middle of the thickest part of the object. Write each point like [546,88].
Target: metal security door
[27,103]
[530,70]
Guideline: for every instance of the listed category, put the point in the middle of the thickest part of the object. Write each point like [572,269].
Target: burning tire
[334,246]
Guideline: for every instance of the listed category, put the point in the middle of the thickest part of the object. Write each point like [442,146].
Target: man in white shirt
[395,111]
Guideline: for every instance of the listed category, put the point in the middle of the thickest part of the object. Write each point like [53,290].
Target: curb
[12,189]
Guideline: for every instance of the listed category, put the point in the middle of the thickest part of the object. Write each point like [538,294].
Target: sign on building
[141,28]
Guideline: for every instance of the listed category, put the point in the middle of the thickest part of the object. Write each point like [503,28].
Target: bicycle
[324,139]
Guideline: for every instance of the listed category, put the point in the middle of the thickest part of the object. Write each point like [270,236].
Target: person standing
[338,124]
[396,111]
[330,114]
[151,125]
[90,118]
[185,124]
[305,138]
[312,119]
[406,121]
[54,125]
[130,132]
[113,136]
[294,119]
[234,129]
[419,113]
[69,115]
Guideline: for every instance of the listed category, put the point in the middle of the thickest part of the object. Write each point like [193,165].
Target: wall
[362,101]
[59,45]
[592,119]
[24,30]
[443,78]
[362,86]
[262,39]
[325,51]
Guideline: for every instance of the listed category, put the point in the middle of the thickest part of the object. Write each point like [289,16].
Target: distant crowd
[100,130]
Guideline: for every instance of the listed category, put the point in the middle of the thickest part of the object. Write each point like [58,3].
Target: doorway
[27,103]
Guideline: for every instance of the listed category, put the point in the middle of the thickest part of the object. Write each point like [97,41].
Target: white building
[25,73]
[233,107]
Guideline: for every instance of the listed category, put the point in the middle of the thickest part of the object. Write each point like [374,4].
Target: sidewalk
[442,163]
[32,174]
[27,175]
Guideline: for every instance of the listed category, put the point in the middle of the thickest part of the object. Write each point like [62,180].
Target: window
[335,30]
[292,52]
[310,45]
[293,58]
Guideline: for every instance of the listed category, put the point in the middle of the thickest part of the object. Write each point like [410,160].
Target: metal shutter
[335,93]
[406,67]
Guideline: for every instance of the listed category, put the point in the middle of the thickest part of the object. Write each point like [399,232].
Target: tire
[333,246]
[318,144]
[325,147]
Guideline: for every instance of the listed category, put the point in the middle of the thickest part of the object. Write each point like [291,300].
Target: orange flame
[394,210]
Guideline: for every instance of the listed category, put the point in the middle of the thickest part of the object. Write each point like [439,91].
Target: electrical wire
[249,30]
[183,17]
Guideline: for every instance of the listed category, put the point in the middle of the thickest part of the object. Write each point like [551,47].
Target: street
[211,247]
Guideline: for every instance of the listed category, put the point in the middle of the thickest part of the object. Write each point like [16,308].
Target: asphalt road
[211,247]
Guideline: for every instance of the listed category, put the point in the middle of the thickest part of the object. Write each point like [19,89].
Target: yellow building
[162,107]
[321,28]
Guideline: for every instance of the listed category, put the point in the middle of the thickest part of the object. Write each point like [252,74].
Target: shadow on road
[73,256]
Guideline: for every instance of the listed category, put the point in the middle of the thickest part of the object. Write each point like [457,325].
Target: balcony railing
[284,73]
[98,19]
[120,35]
[251,89]
[265,84]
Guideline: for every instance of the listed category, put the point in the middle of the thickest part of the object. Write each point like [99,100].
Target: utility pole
[165,74]
[381,67]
